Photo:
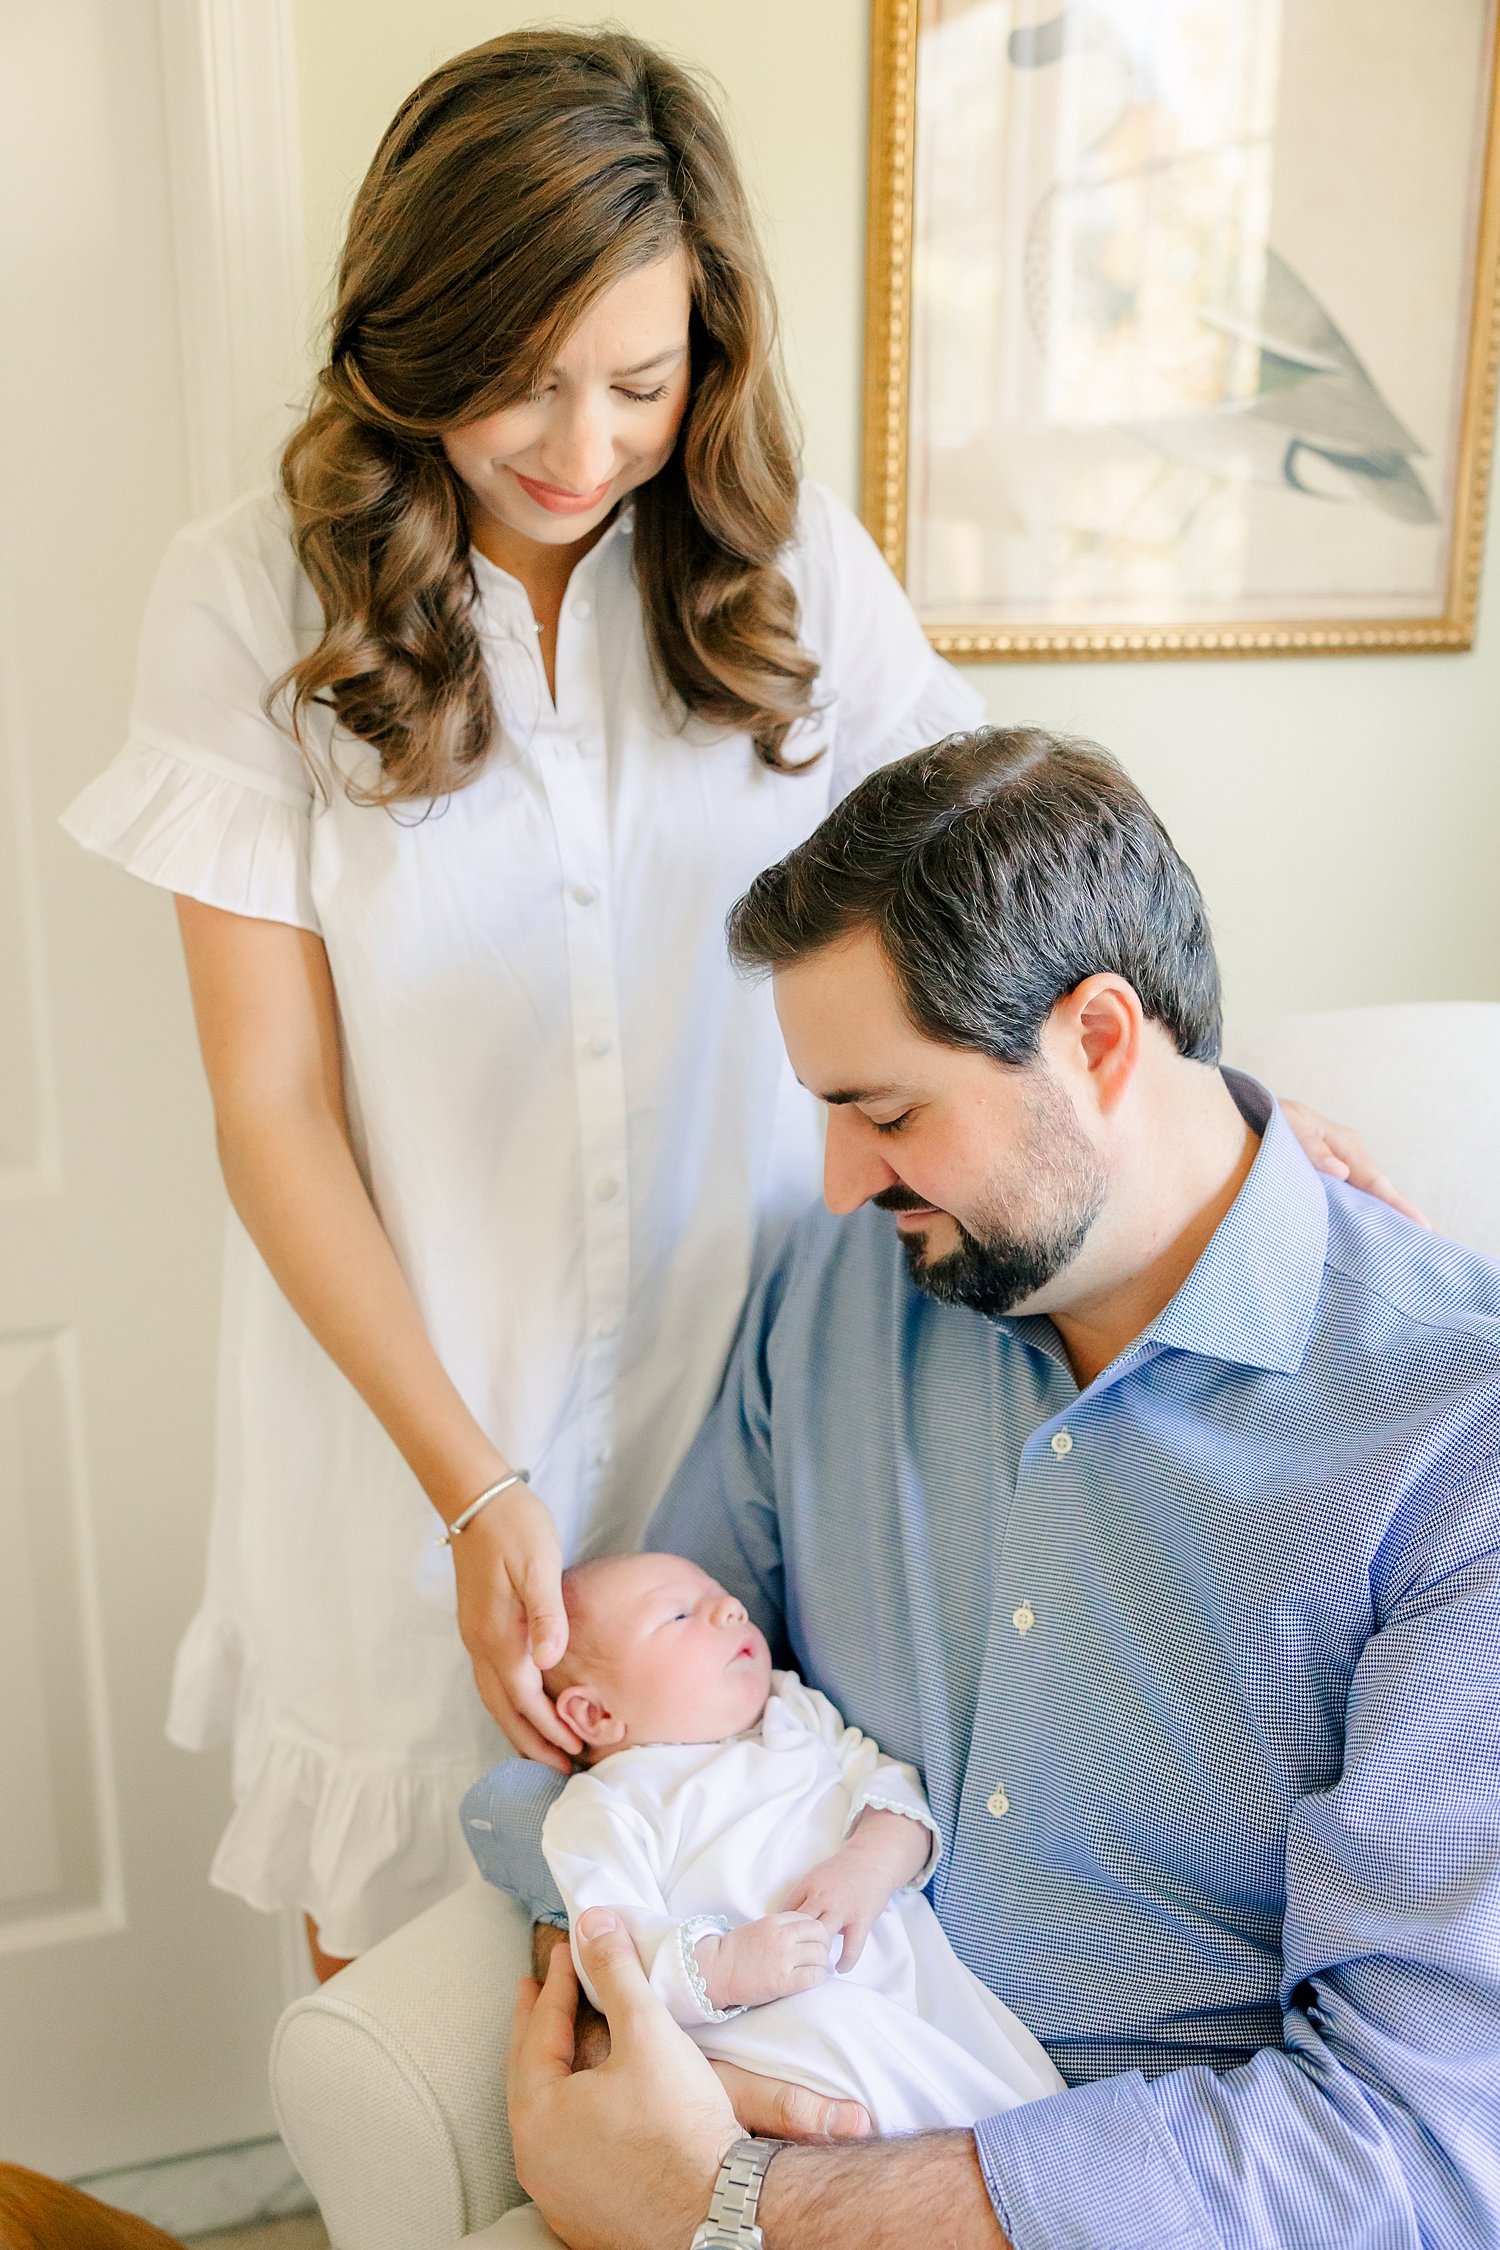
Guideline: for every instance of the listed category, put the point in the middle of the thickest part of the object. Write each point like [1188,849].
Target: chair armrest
[389,2081]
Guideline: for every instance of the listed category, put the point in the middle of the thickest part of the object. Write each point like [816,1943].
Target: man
[1143,1487]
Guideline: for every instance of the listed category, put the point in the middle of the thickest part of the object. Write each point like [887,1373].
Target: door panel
[135,2005]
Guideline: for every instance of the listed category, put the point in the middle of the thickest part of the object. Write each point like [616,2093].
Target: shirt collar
[1253,1296]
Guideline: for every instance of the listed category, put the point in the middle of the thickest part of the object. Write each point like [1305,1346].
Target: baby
[766,1859]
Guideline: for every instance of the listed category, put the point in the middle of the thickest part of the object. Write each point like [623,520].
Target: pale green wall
[1341,815]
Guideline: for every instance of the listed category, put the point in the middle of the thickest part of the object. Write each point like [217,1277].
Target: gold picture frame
[981,627]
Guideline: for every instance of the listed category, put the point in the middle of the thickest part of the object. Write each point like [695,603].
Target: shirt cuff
[677,1977]
[1091,2169]
[502,1821]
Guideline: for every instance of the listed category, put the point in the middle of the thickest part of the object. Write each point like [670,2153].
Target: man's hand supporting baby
[841,1897]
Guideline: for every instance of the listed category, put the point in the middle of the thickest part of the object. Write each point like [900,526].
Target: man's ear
[586,1712]
[1102,1020]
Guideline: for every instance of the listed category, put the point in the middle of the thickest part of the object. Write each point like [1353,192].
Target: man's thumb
[613,1965]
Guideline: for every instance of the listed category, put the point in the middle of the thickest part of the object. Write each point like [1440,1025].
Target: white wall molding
[230,85]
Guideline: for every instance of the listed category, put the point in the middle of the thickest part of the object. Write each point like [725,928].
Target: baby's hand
[847,1892]
[764,1960]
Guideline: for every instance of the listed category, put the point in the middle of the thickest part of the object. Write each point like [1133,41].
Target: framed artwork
[1182,321]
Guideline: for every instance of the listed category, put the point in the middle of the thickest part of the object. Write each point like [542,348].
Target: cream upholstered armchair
[389,2083]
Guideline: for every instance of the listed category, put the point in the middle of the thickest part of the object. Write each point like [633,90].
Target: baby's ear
[586,1712]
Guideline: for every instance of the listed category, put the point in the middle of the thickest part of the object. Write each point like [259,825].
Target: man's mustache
[899,1199]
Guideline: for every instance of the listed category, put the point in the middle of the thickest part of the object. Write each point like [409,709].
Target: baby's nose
[727,1611]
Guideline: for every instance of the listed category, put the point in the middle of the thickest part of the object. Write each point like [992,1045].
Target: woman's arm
[268,1027]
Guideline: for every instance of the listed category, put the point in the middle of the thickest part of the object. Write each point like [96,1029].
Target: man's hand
[847,1892]
[590,2031]
[623,2157]
[765,1960]
[776,2110]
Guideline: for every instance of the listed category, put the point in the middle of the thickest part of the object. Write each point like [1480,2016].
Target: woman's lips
[556,501]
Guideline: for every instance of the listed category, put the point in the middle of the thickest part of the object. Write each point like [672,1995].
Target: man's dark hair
[998,869]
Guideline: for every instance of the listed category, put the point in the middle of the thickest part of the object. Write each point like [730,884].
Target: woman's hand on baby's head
[765,1960]
[508,1566]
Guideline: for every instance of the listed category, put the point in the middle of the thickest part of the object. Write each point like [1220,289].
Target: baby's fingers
[855,1931]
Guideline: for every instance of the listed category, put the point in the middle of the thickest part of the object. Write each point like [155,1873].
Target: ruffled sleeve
[209,796]
[887,692]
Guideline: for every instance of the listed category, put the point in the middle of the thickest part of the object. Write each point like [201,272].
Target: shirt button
[1023,1618]
[583,608]
[584,894]
[1062,1443]
[606,1190]
[600,1043]
[604,1328]
[601,1455]
[997,1802]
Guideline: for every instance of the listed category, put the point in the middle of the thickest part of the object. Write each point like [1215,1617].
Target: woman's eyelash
[645,398]
[893,1124]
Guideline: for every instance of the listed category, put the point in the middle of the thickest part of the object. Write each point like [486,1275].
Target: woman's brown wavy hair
[516,184]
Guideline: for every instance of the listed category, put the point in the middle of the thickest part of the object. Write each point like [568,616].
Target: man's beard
[1026,1238]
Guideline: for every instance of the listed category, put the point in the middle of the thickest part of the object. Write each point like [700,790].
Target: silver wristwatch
[730,2224]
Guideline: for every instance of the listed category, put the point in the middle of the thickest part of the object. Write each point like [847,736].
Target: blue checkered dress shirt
[1201,1668]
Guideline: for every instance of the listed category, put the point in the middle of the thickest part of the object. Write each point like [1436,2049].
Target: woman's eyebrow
[657,359]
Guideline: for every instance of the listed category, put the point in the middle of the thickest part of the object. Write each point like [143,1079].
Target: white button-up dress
[578,1126]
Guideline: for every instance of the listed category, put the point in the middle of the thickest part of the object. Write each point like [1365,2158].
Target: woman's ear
[586,1712]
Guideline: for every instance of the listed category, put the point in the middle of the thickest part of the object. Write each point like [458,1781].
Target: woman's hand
[508,1564]
[1339,1151]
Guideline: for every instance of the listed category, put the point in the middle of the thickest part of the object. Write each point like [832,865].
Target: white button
[604,1328]
[601,1455]
[1023,1618]
[601,1043]
[606,1190]
[584,894]
[1062,1443]
[997,1802]
[582,608]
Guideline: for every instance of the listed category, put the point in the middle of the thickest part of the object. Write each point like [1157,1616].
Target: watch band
[730,2224]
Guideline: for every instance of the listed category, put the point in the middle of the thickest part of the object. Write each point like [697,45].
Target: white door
[135,2005]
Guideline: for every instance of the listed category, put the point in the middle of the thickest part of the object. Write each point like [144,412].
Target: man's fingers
[778,2111]
[541,2040]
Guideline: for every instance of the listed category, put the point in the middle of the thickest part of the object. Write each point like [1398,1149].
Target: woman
[455,754]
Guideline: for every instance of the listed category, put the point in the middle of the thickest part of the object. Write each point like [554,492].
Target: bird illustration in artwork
[1311,418]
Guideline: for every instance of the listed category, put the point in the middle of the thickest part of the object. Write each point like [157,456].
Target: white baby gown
[687,1838]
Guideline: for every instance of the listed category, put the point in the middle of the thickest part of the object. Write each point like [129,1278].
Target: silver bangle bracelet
[490,1492]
